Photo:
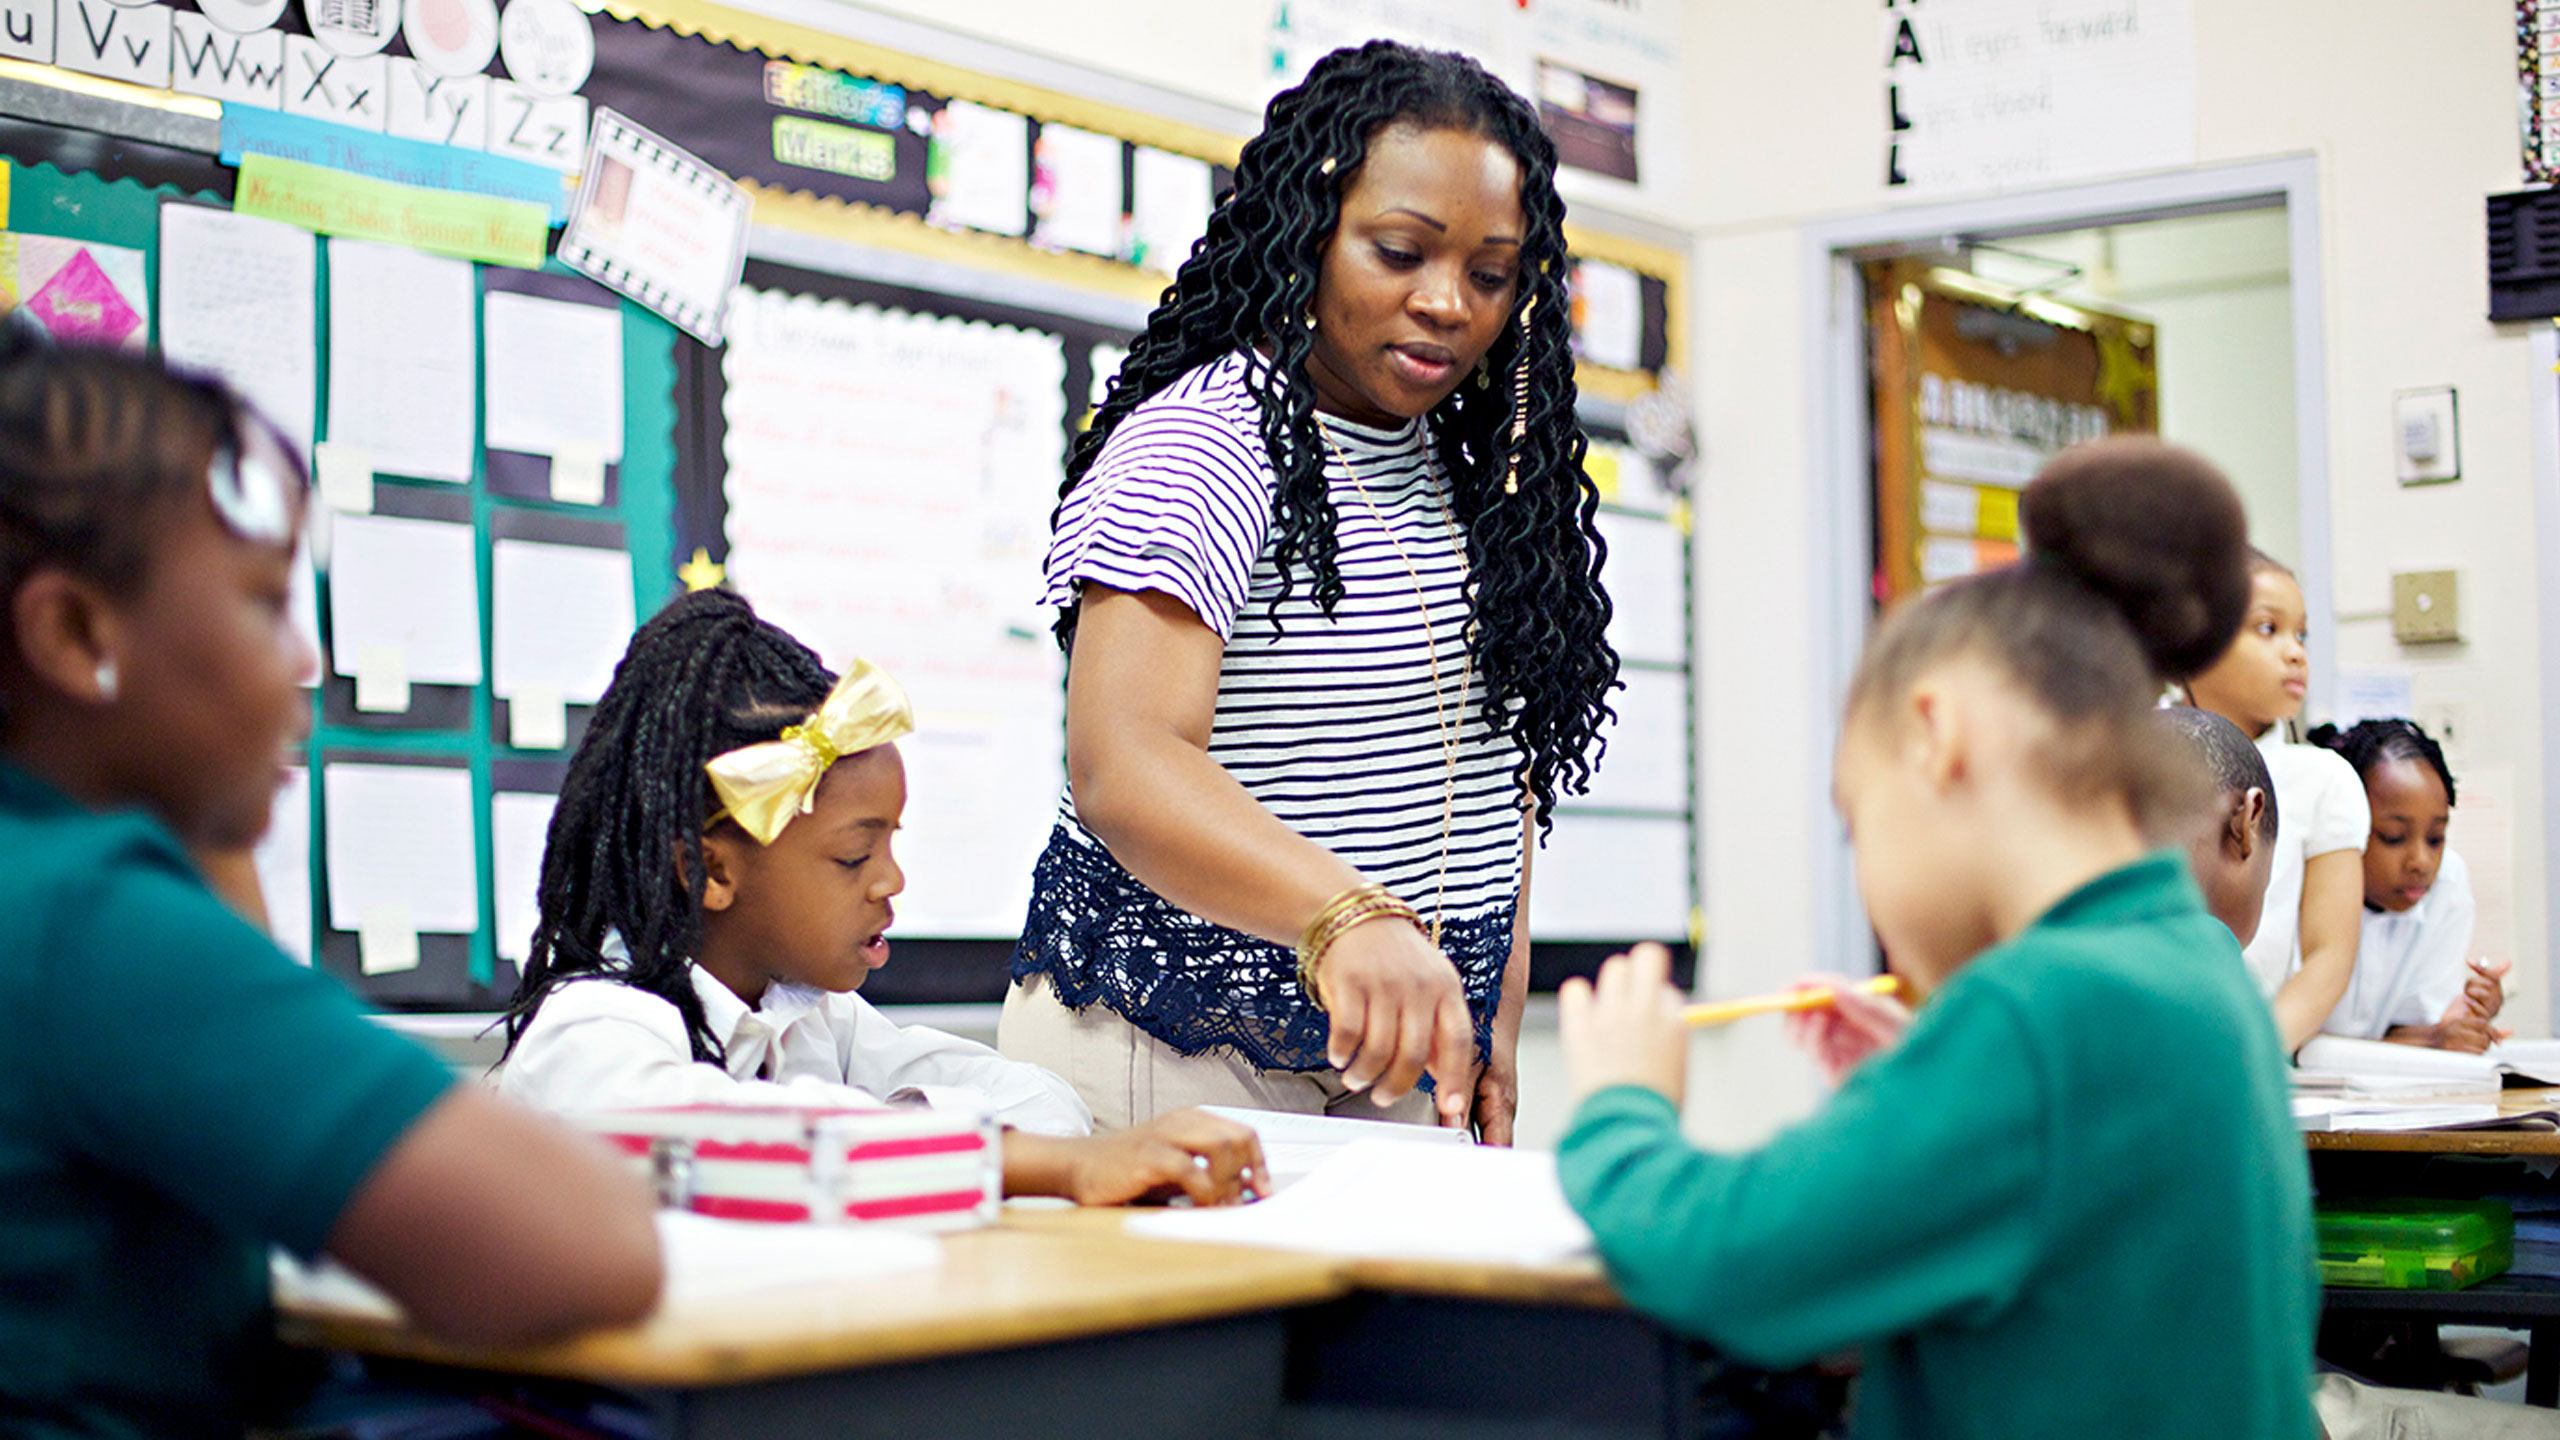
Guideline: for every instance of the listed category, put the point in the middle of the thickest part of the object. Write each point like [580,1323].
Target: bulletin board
[1974,387]
[407,853]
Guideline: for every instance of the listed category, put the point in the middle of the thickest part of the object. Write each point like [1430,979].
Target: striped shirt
[1334,723]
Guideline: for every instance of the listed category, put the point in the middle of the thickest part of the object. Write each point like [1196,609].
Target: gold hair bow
[763,786]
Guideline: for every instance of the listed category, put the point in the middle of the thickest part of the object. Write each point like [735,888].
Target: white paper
[401,835]
[303,600]
[412,584]
[345,475]
[386,940]
[706,1260]
[563,616]
[922,455]
[1645,577]
[981,168]
[283,862]
[1609,314]
[1293,1145]
[1076,190]
[518,826]
[1170,197]
[238,300]
[402,358]
[577,474]
[537,719]
[554,375]
[2375,692]
[1997,94]
[1611,877]
[1394,1200]
[1646,765]
[382,680]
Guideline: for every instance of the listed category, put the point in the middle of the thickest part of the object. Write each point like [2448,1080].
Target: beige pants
[1129,1076]
[2352,1410]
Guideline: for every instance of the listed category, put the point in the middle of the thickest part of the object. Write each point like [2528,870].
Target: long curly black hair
[704,677]
[1248,286]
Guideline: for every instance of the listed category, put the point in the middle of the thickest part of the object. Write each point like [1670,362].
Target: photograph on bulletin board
[1974,387]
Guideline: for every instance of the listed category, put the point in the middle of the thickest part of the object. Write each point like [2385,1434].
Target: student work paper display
[236,301]
[411,586]
[1394,1200]
[402,359]
[518,826]
[400,843]
[554,375]
[283,860]
[563,614]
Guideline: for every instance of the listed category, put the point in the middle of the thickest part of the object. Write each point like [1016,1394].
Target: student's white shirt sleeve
[946,1071]
[603,1045]
[2439,946]
[2341,818]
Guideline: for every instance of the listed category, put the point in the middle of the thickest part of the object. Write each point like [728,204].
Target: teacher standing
[1329,589]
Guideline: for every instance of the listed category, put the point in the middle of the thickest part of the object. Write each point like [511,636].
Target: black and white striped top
[1328,721]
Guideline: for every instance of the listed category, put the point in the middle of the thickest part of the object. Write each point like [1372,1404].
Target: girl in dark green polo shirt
[175,1094]
[2070,1201]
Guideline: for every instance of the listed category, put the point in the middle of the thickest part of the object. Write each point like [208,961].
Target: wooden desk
[1055,1323]
[2406,1162]
[1022,1331]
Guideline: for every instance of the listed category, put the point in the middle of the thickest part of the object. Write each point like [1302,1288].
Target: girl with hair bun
[1326,570]
[2082,1148]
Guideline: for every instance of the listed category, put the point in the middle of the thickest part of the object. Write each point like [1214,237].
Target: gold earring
[1519,403]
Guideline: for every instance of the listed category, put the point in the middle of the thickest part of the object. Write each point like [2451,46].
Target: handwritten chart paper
[890,479]
[237,301]
[402,359]
[1996,94]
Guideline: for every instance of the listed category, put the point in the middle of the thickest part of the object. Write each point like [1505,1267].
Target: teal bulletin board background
[79,206]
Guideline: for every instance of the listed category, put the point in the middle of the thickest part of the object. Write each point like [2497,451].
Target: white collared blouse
[601,1045]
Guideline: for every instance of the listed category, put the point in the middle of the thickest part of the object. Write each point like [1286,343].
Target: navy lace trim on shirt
[1101,935]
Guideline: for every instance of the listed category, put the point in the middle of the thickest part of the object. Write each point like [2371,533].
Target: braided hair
[624,854]
[2369,743]
[1248,287]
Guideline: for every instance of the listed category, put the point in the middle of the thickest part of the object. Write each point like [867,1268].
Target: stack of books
[917,1168]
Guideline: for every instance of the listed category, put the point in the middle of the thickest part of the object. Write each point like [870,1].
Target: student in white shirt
[717,884]
[2412,983]
[2305,949]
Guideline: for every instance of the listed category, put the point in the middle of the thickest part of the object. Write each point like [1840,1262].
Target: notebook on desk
[2337,1063]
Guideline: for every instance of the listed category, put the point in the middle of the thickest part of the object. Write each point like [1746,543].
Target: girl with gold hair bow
[717,884]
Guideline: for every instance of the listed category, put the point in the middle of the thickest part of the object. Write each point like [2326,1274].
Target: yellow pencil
[1809,999]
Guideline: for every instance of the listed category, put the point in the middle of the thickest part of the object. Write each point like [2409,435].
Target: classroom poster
[75,291]
[1974,388]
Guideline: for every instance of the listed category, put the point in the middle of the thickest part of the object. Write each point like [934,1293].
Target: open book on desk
[1396,1200]
[1293,1145]
[2335,1064]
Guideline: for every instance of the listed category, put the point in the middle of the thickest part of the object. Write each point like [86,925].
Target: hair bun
[2157,532]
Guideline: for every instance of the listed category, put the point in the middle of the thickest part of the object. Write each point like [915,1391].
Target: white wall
[2409,112]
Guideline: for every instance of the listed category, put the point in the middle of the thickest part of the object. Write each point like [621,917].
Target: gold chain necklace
[1451,732]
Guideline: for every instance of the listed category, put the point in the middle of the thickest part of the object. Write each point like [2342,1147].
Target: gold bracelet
[1353,907]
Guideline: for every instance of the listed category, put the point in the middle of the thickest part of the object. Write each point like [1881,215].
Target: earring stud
[105,675]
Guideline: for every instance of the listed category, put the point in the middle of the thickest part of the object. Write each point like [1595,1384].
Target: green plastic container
[2412,1244]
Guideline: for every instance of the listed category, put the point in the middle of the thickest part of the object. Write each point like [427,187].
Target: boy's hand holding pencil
[1848,1023]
